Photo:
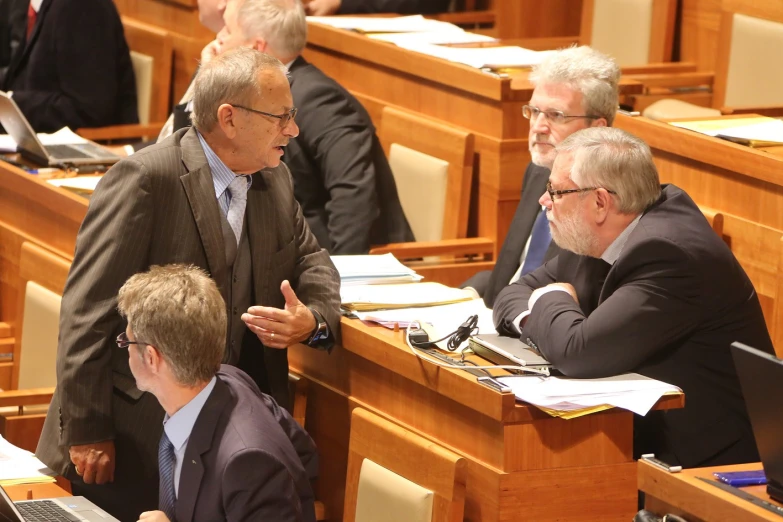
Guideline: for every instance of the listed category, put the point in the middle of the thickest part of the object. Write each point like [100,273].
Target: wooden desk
[486,104]
[682,494]
[522,463]
[49,490]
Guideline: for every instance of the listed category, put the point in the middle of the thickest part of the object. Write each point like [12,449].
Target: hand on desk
[153,516]
[94,462]
[322,7]
[281,328]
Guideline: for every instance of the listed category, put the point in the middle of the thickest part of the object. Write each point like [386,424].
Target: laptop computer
[30,146]
[507,350]
[761,378]
[66,509]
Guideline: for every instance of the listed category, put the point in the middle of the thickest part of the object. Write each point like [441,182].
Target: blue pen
[41,171]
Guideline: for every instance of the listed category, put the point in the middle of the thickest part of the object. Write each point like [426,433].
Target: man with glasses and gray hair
[642,284]
[228,451]
[215,196]
[575,88]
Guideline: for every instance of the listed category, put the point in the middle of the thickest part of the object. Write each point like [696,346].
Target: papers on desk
[64,136]
[385,297]
[392,24]
[570,398]
[373,270]
[81,184]
[18,466]
[506,57]
[756,131]
[409,40]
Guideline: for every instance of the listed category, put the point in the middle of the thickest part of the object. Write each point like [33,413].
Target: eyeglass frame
[552,193]
[290,114]
[124,343]
[553,116]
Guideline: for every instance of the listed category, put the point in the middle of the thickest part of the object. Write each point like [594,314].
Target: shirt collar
[289,64]
[179,425]
[36,5]
[612,254]
[222,176]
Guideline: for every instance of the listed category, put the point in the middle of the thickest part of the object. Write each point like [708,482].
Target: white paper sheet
[373,24]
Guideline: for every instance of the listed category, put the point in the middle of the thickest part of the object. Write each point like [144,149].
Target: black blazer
[13,29]
[668,308]
[394,6]
[341,177]
[489,283]
[246,459]
[75,70]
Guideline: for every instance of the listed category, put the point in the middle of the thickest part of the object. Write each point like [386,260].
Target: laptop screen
[8,511]
[761,378]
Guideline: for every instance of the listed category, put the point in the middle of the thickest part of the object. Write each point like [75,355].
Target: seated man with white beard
[642,284]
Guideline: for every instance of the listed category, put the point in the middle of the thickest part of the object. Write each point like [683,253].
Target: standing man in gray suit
[575,88]
[215,196]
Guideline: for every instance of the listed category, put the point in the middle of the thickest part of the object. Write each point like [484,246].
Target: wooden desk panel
[520,460]
[682,494]
[48,490]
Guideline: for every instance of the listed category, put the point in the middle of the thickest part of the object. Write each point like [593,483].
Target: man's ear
[259,44]
[226,116]
[603,202]
[600,122]
[152,358]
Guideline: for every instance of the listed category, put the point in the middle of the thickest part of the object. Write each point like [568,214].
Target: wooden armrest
[6,330]
[675,80]
[445,247]
[121,132]
[773,112]
[661,68]
[466,17]
[29,397]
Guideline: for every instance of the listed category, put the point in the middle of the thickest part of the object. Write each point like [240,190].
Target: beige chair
[42,278]
[747,78]
[394,475]
[152,58]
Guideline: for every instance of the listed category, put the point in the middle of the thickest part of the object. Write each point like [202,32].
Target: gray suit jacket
[245,459]
[154,208]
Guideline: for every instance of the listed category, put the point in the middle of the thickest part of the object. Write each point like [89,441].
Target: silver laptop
[507,350]
[65,509]
[30,146]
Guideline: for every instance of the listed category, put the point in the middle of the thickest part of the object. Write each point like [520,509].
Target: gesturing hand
[322,7]
[94,462]
[278,328]
[153,516]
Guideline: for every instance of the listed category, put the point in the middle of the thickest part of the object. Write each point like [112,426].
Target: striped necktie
[236,208]
[167,460]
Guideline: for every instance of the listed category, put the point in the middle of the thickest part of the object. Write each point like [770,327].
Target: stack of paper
[394,24]
[759,131]
[385,297]
[569,398]
[64,136]
[435,38]
[373,270]
[18,466]
[481,57]
[78,184]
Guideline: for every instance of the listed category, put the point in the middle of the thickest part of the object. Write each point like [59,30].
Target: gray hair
[615,160]
[178,310]
[282,23]
[586,70]
[231,77]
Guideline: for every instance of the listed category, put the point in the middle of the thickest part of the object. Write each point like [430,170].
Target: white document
[373,269]
[766,131]
[379,297]
[17,464]
[81,183]
[482,57]
[629,391]
[434,38]
[372,24]
[64,136]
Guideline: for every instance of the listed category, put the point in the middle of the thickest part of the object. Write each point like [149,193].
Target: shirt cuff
[535,296]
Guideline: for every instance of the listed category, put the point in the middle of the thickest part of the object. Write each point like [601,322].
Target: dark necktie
[166,463]
[539,243]
[31,15]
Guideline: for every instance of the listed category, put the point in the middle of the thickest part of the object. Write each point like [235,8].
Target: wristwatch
[321,330]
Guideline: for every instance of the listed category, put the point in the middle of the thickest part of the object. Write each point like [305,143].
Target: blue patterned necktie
[236,208]
[166,462]
[539,243]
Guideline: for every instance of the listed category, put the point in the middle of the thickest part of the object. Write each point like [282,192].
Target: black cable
[456,338]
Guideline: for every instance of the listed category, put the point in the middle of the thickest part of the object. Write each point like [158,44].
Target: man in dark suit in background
[215,196]
[331,7]
[642,284]
[575,88]
[13,29]
[227,452]
[75,68]
[342,179]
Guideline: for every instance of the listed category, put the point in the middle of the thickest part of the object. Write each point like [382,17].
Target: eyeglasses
[284,118]
[557,117]
[123,341]
[552,193]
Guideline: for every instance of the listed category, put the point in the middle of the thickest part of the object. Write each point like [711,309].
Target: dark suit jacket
[154,208]
[244,459]
[13,28]
[489,283]
[341,176]
[75,70]
[394,6]
[669,308]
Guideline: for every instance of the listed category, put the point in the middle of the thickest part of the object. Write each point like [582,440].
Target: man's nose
[545,201]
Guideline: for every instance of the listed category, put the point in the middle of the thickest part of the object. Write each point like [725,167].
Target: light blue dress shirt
[222,176]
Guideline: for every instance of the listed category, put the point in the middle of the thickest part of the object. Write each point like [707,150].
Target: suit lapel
[261,226]
[200,191]
[199,443]
[28,46]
